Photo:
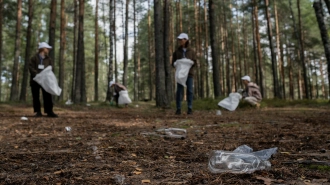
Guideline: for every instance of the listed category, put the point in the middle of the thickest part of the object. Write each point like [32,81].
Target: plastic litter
[241,160]
[218,113]
[231,102]
[119,179]
[69,102]
[68,129]
[24,118]
[168,133]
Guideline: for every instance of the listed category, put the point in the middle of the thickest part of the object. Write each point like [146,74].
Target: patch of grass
[323,168]
[116,134]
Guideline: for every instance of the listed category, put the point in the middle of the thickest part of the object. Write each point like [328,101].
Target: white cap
[44,45]
[183,36]
[111,83]
[247,78]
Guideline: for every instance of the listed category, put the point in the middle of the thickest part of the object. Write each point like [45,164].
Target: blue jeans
[190,93]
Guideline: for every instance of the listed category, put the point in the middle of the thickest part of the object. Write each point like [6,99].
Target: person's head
[44,48]
[246,79]
[183,40]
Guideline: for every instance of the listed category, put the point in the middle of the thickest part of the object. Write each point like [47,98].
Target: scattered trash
[168,132]
[98,157]
[137,106]
[218,113]
[173,132]
[119,179]
[88,105]
[24,118]
[68,129]
[69,102]
[241,160]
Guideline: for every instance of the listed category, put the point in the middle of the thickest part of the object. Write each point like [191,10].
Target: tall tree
[168,68]
[75,44]
[27,52]
[80,88]
[52,29]
[126,45]
[62,49]
[17,51]
[206,50]
[151,68]
[115,40]
[273,57]
[1,20]
[324,34]
[96,53]
[136,74]
[112,29]
[161,95]
[261,70]
[302,52]
[327,2]
[214,48]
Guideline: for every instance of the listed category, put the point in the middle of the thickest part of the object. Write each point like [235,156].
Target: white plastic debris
[24,118]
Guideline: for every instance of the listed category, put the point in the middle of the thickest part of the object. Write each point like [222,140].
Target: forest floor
[106,145]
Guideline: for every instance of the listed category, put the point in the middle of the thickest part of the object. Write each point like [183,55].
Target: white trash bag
[46,78]
[230,103]
[182,67]
[124,98]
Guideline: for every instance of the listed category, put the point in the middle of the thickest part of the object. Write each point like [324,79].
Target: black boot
[52,114]
[178,112]
[38,114]
[189,111]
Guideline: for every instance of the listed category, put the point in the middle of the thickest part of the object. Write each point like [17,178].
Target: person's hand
[240,90]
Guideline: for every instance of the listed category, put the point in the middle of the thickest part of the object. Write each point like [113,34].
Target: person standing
[251,93]
[184,51]
[37,63]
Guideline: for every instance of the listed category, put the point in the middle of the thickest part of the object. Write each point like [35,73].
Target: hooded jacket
[190,54]
[252,90]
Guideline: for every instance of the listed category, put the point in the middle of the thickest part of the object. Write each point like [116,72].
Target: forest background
[282,45]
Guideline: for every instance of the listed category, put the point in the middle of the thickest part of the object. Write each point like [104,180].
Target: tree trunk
[151,68]
[136,81]
[75,44]
[96,53]
[245,55]
[233,56]
[126,45]
[324,92]
[197,82]
[206,48]
[161,95]
[261,70]
[17,51]
[291,91]
[62,49]
[302,53]
[324,34]
[167,62]
[52,29]
[327,2]
[214,48]
[27,52]
[115,40]
[108,93]
[1,22]
[80,77]
[255,64]
[273,57]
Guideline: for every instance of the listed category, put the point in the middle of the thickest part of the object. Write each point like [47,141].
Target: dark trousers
[47,98]
[190,93]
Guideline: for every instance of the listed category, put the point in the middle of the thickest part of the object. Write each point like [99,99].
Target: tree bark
[214,48]
[324,92]
[255,64]
[151,68]
[17,51]
[273,57]
[1,22]
[52,29]
[75,44]
[80,77]
[167,62]
[27,52]
[96,53]
[126,45]
[324,34]
[115,40]
[206,48]
[327,2]
[161,95]
[136,77]
[62,49]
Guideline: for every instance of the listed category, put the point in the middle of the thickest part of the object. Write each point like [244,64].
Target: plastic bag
[241,160]
[46,78]
[230,103]
[182,67]
[124,98]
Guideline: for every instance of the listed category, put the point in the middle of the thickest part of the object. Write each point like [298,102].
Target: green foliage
[323,168]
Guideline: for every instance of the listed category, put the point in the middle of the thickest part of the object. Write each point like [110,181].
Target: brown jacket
[253,90]
[33,65]
[190,54]
[118,87]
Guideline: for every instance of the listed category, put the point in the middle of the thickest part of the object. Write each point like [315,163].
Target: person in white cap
[117,88]
[184,51]
[251,93]
[37,63]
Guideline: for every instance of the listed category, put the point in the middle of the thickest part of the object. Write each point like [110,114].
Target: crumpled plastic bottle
[241,160]
[173,132]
